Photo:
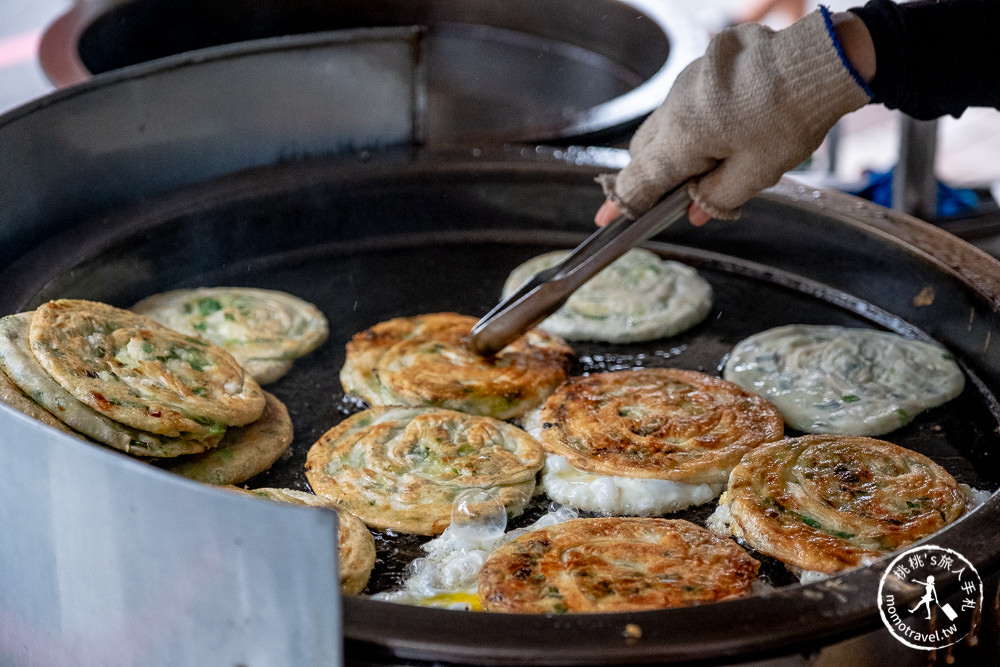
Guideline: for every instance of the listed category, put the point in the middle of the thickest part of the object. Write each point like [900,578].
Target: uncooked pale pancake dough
[356,546]
[22,367]
[140,373]
[402,468]
[832,379]
[638,297]
[265,330]
[611,565]
[829,502]
[655,423]
[244,451]
[427,360]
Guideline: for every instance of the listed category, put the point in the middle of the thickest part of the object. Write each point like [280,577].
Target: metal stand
[914,187]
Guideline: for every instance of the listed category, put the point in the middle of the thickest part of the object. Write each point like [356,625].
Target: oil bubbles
[477,515]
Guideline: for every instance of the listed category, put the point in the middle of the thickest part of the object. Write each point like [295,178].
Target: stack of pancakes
[124,381]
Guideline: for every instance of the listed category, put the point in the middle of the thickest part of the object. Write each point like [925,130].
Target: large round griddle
[382,235]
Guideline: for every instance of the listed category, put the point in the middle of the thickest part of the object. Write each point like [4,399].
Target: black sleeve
[935,58]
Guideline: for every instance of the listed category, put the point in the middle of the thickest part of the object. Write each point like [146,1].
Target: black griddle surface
[410,276]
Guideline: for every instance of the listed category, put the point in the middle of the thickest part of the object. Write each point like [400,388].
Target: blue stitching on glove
[840,52]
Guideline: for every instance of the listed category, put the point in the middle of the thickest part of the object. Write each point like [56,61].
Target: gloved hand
[757,104]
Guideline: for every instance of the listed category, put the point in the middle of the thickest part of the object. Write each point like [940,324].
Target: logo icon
[932,622]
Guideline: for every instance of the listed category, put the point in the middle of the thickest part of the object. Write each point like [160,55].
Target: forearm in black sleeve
[935,58]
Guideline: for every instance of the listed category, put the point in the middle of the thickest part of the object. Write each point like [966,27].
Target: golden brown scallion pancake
[656,423]
[426,360]
[265,330]
[22,367]
[614,564]
[828,502]
[356,546]
[402,468]
[140,373]
[244,451]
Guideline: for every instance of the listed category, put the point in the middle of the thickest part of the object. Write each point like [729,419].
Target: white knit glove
[757,104]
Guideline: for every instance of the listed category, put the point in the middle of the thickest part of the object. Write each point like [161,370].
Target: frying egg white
[447,577]
[610,494]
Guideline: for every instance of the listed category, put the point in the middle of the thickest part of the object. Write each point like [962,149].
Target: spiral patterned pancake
[609,565]
[426,360]
[827,502]
[638,297]
[265,330]
[831,379]
[656,423]
[140,373]
[402,468]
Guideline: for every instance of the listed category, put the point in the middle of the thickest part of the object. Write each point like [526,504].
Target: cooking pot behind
[560,71]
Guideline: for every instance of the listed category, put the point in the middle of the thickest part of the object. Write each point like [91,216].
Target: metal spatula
[548,290]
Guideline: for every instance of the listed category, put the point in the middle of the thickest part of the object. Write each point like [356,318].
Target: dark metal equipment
[406,233]
[518,70]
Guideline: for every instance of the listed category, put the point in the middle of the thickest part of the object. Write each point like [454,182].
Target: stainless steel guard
[114,563]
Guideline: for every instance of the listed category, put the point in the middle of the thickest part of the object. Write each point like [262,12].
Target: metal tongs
[548,290]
